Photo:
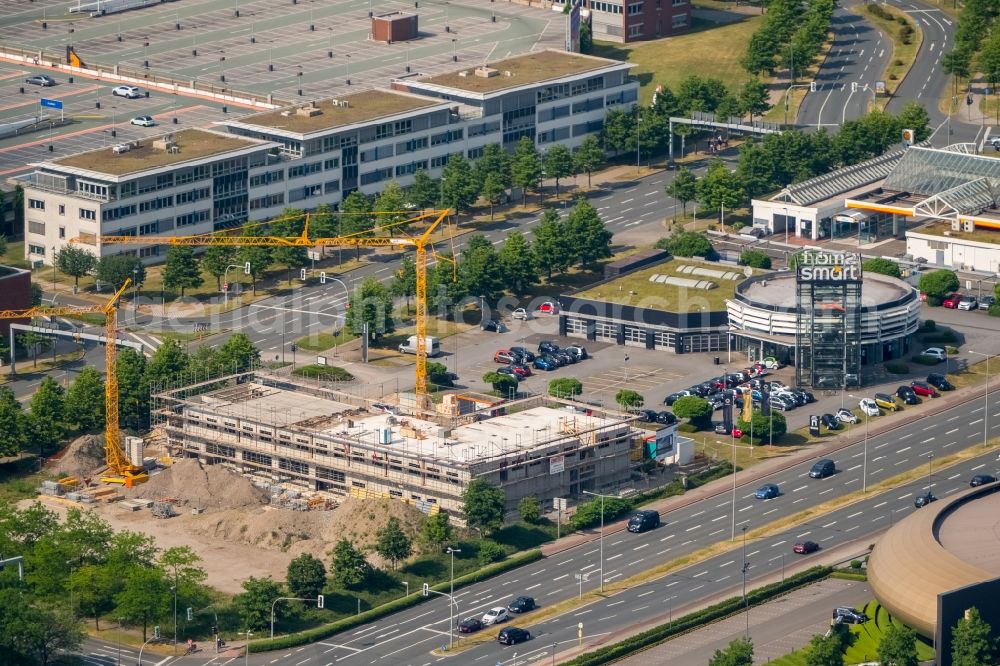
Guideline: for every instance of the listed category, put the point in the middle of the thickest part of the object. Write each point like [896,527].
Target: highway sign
[51,103]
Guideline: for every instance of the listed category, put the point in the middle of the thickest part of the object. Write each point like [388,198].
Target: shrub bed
[924,360]
[694,620]
[330,373]
[850,575]
[897,367]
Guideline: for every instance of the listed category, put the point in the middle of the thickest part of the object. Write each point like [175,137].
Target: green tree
[492,191]
[565,387]
[35,633]
[371,304]
[216,259]
[404,280]
[494,160]
[93,588]
[684,243]
[13,423]
[75,262]
[391,203]
[423,191]
[697,410]
[898,646]
[826,650]
[438,374]
[589,157]
[47,419]
[753,98]
[36,294]
[526,167]
[133,390]
[586,38]
[479,272]
[181,566]
[356,217]
[629,399]
[503,385]
[168,362]
[618,125]
[517,263]
[972,642]
[306,576]
[490,551]
[483,505]
[85,400]
[392,544]
[237,354]
[291,223]
[529,509]
[914,116]
[350,568]
[34,342]
[729,107]
[737,653]
[458,186]
[182,270]
[755,259]
[591,240]
[882,266]
[558,163]
[258,258]
[444,290]
[720,188]
[765,428]
[144,596]
[436,530]
[551,247]
[114,269]
[254,603]
[938,284]
[683,187]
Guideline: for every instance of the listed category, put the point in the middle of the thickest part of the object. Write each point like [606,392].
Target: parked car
[886,401]
[924,500]
[130,92]
[492,326]
[525,355]
[666,418]
[907,395]
[555,359]
[648,415]
[822,469]
[935,353]
[509,371]
[644,520]
[767,491]
[522,605]
[805,547]
[504,356]
[720,429]
[544,363]
[674,397]
[830,421]
[968,302]
[869,408]
[495,615]
[549,307]
[470,625]
[849,615]
[520,313]
[143,121]
[924,389]
[776,402]
[939,382]
[951,301]
[986,301]
[41,80]
[547,347]
[982,480]
[844,415]
[771,363]
[577,351]
[521,371]
[565,357]
[513,635]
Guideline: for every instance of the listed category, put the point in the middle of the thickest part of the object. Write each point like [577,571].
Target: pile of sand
[211,487]
[83,457]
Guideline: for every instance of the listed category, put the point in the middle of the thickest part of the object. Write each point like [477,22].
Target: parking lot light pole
[732,440]
[451,597]
[746,565]
[587,492]
[986,394]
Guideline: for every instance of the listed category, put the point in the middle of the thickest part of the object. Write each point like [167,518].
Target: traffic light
[294,348]
[302,275]
[246,268]
[812,86]
[319,601]
[190,614]
[215,628]
[427,589]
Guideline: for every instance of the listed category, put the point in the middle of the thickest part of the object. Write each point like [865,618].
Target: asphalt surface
[409,636]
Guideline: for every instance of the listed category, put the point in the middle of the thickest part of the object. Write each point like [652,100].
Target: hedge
[897,367]
[343,624]
[326,372]
[924,360]
[694,620]
[849,575]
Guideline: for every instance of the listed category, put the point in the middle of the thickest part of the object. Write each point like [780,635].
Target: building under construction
[330,439]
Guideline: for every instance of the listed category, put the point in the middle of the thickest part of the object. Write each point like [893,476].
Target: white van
[432,345]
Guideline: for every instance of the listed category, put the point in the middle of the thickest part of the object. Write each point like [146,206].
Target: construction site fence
[327,630]
[118,74]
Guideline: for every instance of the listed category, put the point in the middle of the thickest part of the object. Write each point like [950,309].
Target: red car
[548,307]
[805,547]
[924,389]
[952,301]
[521,370]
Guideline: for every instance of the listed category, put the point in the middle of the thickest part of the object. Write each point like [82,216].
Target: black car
[666,418]
[674,397]
[644,520]
[547,347]
[513,635]
[982,480]
[649,415]
[469,625]
[509,371]
[849,615]
[810,398]
[822,469]
[528,356]
[924,500]
[555,359]
[577,351]
[566,357]
[939,382]
[41,80]
[522,605]
[492,325]
[830,421]
[907,395]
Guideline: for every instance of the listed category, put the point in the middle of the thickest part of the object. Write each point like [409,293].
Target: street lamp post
[587,492]
[173,588]
[930,470]
[732,441]
[638,127]
[986,394]
[746,565]
[864,460]
[246,652]
[451,597]
[135,294]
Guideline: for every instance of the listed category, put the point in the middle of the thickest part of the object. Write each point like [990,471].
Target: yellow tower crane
[121,469]
[422,243]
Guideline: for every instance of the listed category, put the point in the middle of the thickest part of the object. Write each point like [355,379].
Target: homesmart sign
[829,267]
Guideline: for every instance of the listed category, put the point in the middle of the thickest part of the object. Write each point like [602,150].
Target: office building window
[62,209]
[304,169]
[88,214]
[634,8]
[37,228]
[62,233]
[680,21]
[635,30]
[36,250]
[36,204]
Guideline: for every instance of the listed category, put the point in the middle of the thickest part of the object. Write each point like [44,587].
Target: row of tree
[791,34]
[976,25]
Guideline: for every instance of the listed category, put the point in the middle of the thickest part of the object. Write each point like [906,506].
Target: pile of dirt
[83,457]
[314,532]
[211,487]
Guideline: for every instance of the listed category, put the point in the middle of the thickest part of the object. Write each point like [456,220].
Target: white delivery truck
[432,345]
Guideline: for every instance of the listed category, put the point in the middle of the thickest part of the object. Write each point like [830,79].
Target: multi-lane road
[409,636]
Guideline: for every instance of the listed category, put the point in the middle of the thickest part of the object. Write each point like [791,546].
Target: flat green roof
[191,144]
[524,70]
[361,107]
[938,228]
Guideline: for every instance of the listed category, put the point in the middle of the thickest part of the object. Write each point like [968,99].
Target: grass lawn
[709,50]
[325,372]
[903,55]
[636,289]
[14,255]
[317,342]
